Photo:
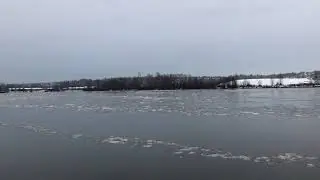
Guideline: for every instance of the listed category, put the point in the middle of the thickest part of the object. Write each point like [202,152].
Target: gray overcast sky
[70,39]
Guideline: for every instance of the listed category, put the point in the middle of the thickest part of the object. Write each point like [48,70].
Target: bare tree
[272,82]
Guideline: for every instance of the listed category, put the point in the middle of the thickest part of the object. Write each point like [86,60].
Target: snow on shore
[273,82]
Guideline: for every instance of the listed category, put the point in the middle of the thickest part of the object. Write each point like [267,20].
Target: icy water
[238,135]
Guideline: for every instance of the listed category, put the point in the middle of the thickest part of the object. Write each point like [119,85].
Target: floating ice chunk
[310,165]
[289,157]
[189,148]
[205,150]
[178,152]
[105,108]
[270,112]
[262,159]
[30,128]
[311,158]
[147,146]
[70,105]
[241,157]
[3,124]
[46,131]
[115,140]
[158,142]
[150,141]
[191,153]
[172,144]
[76,136]
[221,114]
[215,155]
[247,112]
[207,114]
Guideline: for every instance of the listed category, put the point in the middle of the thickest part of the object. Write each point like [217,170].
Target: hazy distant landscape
[177,81]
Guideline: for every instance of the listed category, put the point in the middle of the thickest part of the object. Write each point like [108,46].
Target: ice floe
[76,136]
[115,140]
[3,124]
[289,157]
[309,165]
[147,146]
[262,159]
[247,112]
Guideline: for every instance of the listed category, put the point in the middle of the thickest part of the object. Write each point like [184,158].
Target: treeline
[151,82]
[313,74]
[3,88]
[160,82]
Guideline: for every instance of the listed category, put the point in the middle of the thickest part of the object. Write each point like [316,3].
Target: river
[202,134]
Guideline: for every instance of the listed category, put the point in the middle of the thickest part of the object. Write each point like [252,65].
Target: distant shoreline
[124,90]
[176,82]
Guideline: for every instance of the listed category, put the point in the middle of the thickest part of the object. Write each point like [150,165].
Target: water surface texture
[211,134]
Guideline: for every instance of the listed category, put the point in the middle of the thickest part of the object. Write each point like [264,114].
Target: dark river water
[269,134]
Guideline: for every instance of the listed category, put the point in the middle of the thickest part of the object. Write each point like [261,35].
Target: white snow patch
[273,82]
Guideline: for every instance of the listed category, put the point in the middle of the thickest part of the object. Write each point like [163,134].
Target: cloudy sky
[70,39]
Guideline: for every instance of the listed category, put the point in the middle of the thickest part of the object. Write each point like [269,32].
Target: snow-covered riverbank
[274,82]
